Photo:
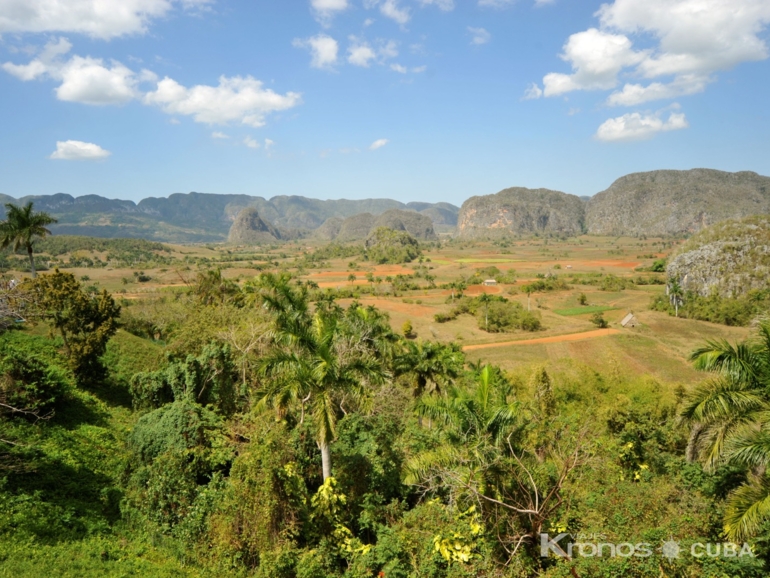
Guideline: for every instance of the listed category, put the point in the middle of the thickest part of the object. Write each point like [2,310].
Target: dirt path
[554,339]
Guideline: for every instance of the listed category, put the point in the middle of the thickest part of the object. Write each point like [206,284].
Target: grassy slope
[60,515]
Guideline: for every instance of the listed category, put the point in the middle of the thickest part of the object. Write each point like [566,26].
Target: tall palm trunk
[326,460]
[31,261]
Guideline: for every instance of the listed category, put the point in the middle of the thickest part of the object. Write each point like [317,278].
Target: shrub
[28,385]
[85,322]
[599,320]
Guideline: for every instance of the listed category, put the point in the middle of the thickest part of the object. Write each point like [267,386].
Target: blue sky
[431,100]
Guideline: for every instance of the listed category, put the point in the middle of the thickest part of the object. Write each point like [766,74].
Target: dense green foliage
[84,322]
[725,310]
[274,432]
[494,314]
[389,246]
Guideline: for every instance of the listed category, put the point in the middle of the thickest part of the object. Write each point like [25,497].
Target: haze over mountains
[653,203]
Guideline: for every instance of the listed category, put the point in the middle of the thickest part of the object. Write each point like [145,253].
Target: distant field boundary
[487,260]
[583,309]
[553,339]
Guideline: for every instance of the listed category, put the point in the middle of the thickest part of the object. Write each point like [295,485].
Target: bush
[206,379]
[85,322]
[503,315]
[551,283]
[28,385]
[599,320]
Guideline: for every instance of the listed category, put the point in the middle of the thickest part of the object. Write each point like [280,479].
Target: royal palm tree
[729,417]
[312,367]
[485,299]
[21,227]
[477,423]
[676,295]
[430,365]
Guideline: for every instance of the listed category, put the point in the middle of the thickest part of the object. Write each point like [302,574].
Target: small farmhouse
[629,320]
[490,282]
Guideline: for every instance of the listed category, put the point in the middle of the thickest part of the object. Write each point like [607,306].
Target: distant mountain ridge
[664,202]
[656,203]
[201,217]
[676,202]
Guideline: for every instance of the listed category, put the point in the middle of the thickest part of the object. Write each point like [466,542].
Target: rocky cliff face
[521,211]
[249,227]
[676,202]
[731,258]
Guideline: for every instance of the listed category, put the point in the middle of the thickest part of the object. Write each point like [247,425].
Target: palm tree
[477,422]
[20,228]
[485,299]
[676,295]
[729,417]
[311,365]
[430,365]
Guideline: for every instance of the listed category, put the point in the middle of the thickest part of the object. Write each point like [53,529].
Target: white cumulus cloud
[378,144]
[82,79]
[236,99]
[325,10]
[360,53]
[323,50]
[399,68]
[75,150]
[219,135]
[91,81]
[690,41]
[102,19]
[251,143]
[638,126]
[479,35]
[597,57]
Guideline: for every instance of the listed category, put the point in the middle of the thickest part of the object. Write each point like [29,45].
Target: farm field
[659,346]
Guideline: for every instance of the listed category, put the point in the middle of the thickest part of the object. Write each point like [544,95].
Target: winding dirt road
[553,339]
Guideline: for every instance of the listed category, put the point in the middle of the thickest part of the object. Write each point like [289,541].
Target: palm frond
[749,445]
[748,508]
[720,356]
[721,398]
